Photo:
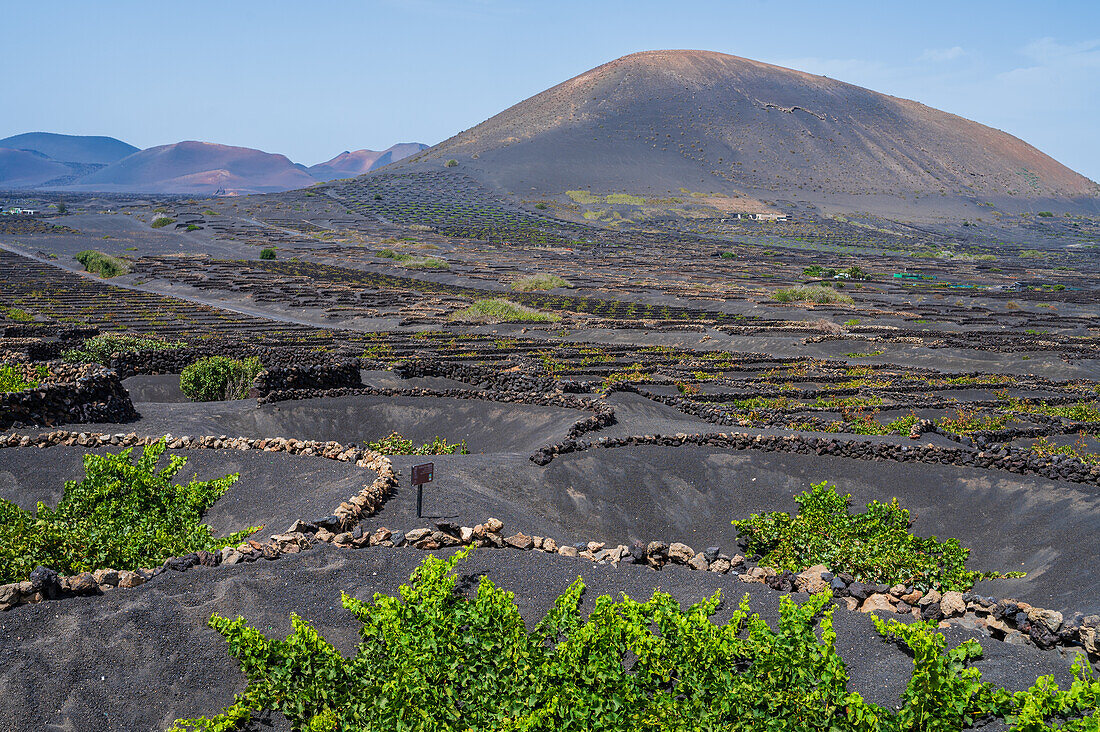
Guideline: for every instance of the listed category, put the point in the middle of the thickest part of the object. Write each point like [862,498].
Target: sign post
[421,474]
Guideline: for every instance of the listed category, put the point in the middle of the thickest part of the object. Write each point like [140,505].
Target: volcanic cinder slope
[660,121]
[348,164]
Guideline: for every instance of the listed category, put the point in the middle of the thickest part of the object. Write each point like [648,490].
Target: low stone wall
[1012,460]
[507,377]
[320,376]
[603,413]
[74,394]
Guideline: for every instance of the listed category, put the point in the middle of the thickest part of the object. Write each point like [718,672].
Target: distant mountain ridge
[52,161]
[348,164]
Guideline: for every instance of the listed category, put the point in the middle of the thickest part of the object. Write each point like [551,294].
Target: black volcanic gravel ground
[137,659]
[1050,530]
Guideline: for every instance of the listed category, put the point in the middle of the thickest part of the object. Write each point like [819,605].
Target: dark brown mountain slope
[662,120]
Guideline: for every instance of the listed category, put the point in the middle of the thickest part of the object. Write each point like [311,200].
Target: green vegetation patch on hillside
[219,378]
[396,444]
[121,515]
[102,264]
[539,282]
[435,659]
[15,377]
[499,310]
[874,546]
[100,348]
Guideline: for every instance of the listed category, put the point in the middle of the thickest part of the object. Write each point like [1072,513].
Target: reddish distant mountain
[202,168]
[24,169]
[350,164]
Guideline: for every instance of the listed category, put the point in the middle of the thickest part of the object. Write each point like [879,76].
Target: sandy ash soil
[94,663]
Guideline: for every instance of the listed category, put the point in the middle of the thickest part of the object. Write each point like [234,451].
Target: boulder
[878,602]
[567,551]
[699,562]
[127,578]
[83,584]
[494,526]
[952,604]
[416,535]
[520,541]
[813,580]
[1050,619]
[680,553]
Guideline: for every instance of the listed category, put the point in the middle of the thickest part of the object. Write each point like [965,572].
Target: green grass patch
[100,348]
[411,261]
[19,316]
[811,293]
[968,421]
[873,546]
[15,377]
[586,198]
[102,264]
[396,444]
[219,378]
[122,515]
[161,221]
[432,657]
[624,199]
[539,282]
[499,310]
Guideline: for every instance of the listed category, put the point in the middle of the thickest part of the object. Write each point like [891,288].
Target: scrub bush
[395,444]
[102,264]
[14,377]
[499,310]
[219,378]
[122,515]
[875,546]
[100,348]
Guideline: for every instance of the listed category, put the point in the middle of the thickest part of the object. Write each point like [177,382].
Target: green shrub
[267,253]
[193,227]
[100,348]
[451,163]
[161,221]
[1045,214]
[539,282]
[122,515]
[875,546]
[13,377]
[102,264]
[395,444]
[411,261]
[434,659]
[19,316]
[811,293]
[499,310]
[219,378]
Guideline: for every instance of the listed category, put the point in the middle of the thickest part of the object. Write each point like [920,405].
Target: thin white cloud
[941,55]
[1070,69]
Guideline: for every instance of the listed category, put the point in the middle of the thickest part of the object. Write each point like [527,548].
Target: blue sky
[313,79]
